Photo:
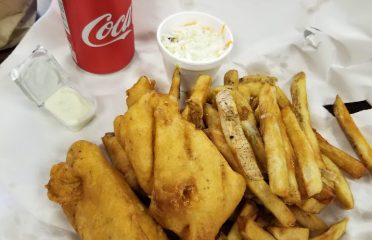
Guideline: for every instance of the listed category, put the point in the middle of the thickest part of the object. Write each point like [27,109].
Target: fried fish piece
[195,190]
[135,135]
[96,199]
[120,160]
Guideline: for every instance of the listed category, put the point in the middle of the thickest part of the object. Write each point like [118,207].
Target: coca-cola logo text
[108,31]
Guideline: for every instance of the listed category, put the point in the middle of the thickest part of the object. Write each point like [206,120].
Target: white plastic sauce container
[42,79]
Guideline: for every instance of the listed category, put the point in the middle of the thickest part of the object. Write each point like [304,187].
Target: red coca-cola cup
[100,33]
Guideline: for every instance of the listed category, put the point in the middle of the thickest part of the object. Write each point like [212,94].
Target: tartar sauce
[70,107]
[195,42]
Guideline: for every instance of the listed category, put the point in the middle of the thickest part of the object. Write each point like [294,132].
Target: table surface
[269,38]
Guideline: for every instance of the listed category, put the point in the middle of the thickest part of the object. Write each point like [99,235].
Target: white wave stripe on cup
[108,27]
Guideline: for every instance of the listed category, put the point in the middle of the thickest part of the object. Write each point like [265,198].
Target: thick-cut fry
[254,88]
[234,233]
[193,111]
[312,205]
[294,195]
[293,233]
[213,93]
[253,231]
[215,134]
[353,134]
[211,117]
[327,194]
[300,108]
[342,189]
[218,139]
[259,188]
[120,160]
[274,204]
[259,78]
[244,90]
[274,148]
[231,78]
[174,91]
[249,125]
[254,83]
[235,138]
[281,98]
[249,211]
[334,232]
[244,108]
[141,87]
[343,160]
[308,220]
[310,172]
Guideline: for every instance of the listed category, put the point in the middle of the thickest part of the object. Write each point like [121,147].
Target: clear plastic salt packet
[44,82]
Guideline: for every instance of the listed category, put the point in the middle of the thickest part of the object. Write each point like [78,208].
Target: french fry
[308,220]
[120,160]
[174,91]
[140,88]
[244,90]
[253,231]
[213,93]
[259,78]
[281,98]
[343,160]
[274,204]
[211,117]
[249,125]
[312,205]
[300,108]
[342,189]
[254,88]
[334,232]
[218,139]
[327,194]
[193,111]
[231,78]
[254,83]
[294,195]
[215,134]
[234,233]
[353,134]
[292,233]
[274,148]
[308,168]
[235,138]
[249,211]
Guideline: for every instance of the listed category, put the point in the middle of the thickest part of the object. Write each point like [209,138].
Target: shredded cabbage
[195,42]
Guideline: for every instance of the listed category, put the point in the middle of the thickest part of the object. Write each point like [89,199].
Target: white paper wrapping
[269,38]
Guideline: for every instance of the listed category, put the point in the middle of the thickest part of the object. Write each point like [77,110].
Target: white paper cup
[190,70]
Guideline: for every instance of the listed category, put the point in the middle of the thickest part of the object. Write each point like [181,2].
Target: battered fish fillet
[97,201]
[194,190]
[134,130]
